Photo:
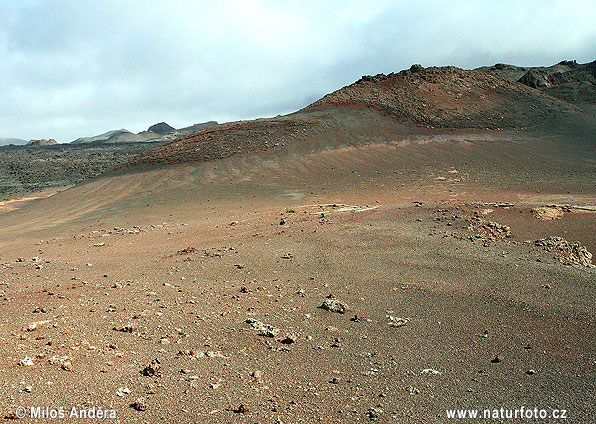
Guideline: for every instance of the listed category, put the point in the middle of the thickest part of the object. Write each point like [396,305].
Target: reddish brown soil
[167,260]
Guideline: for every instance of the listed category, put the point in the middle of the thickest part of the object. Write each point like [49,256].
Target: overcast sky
[79,68]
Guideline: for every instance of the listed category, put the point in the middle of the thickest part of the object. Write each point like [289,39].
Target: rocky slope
[377,109]
[567,80]
[448,97]
[32,168]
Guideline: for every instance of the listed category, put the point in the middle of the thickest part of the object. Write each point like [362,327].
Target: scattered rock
[242,409]
[374,413]
[62,361]
[548,213]
[333,305]
[122,391]
[413,390]
[27,361]
[430,371]
[140,404]
[397,322]
[188,251]
[497,359]
[570,253]
[489,229]
[152,369]
[125,329]
[264,330]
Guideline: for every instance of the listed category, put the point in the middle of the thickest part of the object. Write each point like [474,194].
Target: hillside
[567,80]
[448,97]
[377,108]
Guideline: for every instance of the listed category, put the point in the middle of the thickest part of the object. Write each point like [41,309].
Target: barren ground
[270,238]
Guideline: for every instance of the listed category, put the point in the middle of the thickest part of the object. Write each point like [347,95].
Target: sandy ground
[169,263]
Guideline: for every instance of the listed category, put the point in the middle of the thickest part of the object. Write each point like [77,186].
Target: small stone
[333,305]
[242,409]
[396,321]
[374,413]
[497,359]
[122,391]
[152,369]
[27,361]
[289,339]
[531,372]
[139,404]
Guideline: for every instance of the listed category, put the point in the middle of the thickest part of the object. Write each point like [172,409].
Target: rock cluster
[570,253]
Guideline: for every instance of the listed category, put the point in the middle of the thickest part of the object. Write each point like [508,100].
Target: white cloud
[75,68]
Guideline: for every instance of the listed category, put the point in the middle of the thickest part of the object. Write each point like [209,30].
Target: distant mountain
[42,142]
[161,128]
[16,141]
[160,132]
[102,138]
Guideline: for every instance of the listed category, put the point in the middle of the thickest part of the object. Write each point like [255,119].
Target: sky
[79,68]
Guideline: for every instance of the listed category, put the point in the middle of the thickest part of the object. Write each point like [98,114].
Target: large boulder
[535,79]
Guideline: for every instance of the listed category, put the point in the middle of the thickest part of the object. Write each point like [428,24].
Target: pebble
[139,404]
[497,359]
[333,305]
[152,369]
[396,321]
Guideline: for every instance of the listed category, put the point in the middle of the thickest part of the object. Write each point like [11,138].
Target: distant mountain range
[155,133]
[16,141]
[160,132]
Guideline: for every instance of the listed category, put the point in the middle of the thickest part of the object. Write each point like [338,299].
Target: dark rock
[162,128]
[416,68]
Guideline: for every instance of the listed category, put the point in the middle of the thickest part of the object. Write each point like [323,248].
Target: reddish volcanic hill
[448,97]
[377,108]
